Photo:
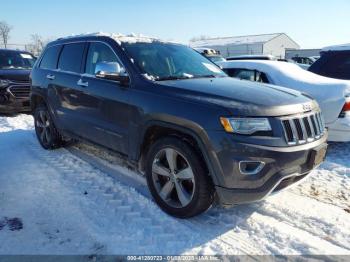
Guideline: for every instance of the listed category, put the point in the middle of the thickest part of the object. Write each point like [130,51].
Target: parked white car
[332,95]
[266,57]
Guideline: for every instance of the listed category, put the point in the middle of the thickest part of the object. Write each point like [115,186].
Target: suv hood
[240,97]
[15,74]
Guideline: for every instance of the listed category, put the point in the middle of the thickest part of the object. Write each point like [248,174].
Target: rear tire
[46,132]
[177,178]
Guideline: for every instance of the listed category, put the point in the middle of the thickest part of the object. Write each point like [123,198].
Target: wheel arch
[192,134]
[36,99]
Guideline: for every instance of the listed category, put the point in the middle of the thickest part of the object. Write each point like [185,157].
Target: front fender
[183,126]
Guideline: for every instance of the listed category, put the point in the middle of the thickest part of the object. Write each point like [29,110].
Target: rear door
[65,95]
[104,104]
[43,80]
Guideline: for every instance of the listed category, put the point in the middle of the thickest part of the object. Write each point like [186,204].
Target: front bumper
[283,167]
[276,183]
[10,104]
[339,131]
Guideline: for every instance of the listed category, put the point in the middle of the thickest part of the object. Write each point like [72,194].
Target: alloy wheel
[43,127]
[173,178]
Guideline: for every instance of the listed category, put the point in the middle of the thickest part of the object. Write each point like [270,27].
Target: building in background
[14,46]
[290,53]
[266,44]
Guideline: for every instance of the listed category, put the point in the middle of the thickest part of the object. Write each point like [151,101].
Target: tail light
[346,108]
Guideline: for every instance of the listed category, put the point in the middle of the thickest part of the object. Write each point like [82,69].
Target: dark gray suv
[197,134]
[15,68]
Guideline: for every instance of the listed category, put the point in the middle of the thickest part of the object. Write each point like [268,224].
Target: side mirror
[112,71]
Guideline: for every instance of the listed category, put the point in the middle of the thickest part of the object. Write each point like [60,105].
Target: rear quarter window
[246,74]
[340,62]
[230,71]
[49,60]
[71,57]
[333,64]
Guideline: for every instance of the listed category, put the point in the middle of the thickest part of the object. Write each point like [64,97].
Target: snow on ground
[55,202]
[331,182]
[20,122]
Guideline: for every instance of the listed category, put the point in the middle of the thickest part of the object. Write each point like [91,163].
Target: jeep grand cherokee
[195,133]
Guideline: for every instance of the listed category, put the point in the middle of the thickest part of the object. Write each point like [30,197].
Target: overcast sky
[312,24]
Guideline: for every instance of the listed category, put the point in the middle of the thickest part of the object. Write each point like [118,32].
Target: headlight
[245,126]
[4,83]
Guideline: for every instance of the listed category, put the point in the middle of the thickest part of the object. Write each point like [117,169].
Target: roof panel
[235,40]
[344,47]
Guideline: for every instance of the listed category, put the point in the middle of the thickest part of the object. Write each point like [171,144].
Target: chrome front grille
[303,129]
[19,89]
[20,82]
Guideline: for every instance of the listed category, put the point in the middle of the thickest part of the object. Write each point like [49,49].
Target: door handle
[82,83]
[50,77]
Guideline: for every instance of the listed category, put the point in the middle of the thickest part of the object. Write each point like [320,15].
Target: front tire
[46,132]
[177,178]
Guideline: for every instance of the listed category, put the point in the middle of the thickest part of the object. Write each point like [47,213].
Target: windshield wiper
[184,77]
[205,76]
[164,78]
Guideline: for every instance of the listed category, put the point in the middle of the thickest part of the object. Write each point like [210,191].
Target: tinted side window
[333,64]
[318,65]
[339,62]
[99,52]
[246,74]
[71,57]
[49,60]
[230,71]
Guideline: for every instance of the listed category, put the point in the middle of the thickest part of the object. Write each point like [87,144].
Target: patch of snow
[335,170]
[118,37]
[149,77]
[85,34]
[132,38]
[187,75]
[212,68]
[69,206]
[21,122]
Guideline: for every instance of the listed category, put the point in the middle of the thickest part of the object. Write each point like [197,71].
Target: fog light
[251,167]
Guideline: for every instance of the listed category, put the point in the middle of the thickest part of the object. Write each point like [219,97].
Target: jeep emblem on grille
[306,107]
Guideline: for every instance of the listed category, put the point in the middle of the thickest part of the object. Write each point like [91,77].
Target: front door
[104,104]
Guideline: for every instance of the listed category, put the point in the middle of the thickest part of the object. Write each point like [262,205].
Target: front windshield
[16,60]
[216,59]
[165,61]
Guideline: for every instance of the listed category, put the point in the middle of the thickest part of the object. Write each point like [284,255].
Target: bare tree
[5,30]
[37,44]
